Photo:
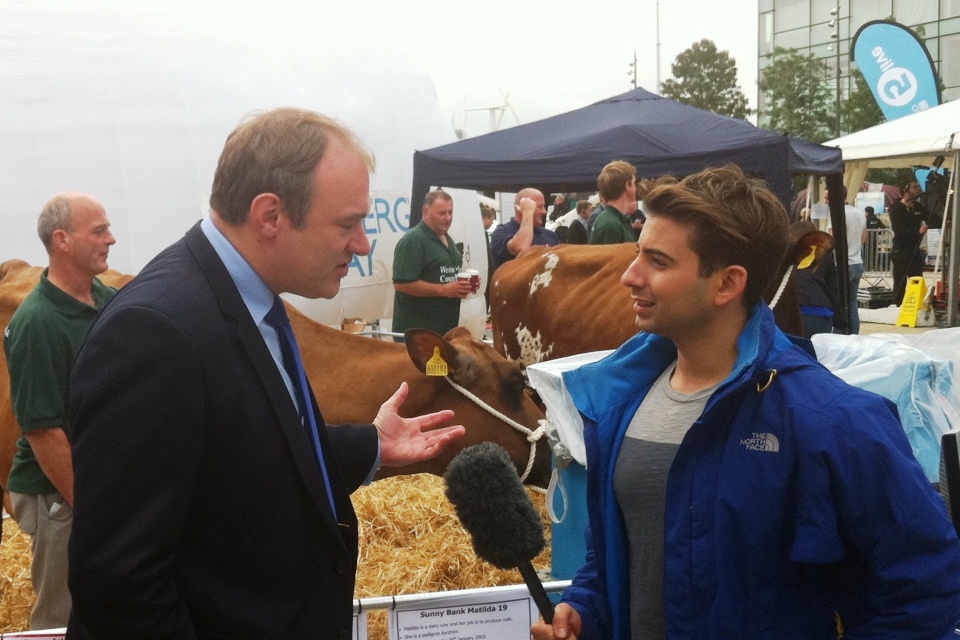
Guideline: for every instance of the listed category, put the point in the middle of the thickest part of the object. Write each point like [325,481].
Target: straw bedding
[410,541]
[16,590]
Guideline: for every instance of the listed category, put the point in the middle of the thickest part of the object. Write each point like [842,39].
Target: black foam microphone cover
[493,506]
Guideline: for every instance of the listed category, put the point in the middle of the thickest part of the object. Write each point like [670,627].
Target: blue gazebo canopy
[658,136]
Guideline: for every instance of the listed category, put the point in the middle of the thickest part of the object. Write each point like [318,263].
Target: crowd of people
[618,217]
[737,489]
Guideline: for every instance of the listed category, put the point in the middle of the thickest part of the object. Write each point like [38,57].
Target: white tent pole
[953,276]
[938,263]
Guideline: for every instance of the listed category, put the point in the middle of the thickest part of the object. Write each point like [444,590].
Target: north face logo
[762,442]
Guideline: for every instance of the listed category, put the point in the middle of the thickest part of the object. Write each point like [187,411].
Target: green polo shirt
[40,343]
[421,255]
[611,227]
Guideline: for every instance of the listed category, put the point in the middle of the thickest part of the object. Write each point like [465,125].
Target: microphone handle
[539,594]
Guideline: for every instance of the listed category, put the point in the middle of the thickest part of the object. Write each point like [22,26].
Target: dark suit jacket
[578,232]
[200,511]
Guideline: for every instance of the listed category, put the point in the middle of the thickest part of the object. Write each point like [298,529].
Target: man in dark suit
[203,509]
[578,233]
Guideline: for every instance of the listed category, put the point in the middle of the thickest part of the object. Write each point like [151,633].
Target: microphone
[494,508]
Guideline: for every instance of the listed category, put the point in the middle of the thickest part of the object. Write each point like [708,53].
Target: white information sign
[360,626]
[507,614]
[933,245]
[820,211]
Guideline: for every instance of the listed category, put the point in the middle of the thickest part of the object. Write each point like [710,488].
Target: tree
[799,101]
[707,79]
[860,110]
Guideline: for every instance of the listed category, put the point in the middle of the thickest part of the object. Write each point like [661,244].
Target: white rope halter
[532,436]
[783,285]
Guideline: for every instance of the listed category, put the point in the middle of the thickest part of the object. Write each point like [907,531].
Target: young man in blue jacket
[736,488]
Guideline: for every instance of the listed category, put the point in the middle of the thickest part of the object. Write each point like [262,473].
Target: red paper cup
[474,280]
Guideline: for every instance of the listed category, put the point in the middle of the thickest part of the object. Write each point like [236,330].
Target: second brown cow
[552,302]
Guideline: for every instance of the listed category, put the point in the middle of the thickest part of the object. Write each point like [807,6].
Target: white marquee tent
[914,139]
[918,139]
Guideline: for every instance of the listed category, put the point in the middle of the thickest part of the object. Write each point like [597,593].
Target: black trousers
[906,264]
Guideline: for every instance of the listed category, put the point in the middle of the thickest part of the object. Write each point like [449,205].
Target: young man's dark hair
[733,220]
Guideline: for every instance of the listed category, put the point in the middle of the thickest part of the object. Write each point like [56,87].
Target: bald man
[40,343]
[524,230]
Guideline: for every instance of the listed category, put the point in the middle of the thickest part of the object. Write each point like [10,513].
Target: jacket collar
[639,361]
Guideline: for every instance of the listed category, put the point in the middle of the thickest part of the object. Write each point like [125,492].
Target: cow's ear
[457,332]
[512,384]
[464,365]
[812,243]
[423,344]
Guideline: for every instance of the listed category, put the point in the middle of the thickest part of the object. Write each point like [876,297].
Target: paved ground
[889,316]
[867,328]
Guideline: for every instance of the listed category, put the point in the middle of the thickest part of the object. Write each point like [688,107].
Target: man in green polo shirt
[425,266]
[40,343]
[617,185]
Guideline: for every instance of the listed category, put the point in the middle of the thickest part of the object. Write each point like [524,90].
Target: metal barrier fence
[876,252]
[420,599]
[876,285]
[364,605]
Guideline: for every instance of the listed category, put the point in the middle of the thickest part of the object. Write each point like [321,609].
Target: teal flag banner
[897,67]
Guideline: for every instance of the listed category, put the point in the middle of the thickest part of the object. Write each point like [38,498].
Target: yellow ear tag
[806,262]
[436,366]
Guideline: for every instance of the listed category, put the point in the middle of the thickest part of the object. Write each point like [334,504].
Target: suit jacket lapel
[288,419]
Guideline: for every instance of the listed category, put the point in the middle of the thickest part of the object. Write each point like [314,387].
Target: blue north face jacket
[794,500]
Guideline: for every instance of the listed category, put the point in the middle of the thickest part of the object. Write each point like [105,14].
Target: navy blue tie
[277,318]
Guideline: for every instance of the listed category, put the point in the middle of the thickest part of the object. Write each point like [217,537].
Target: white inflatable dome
[132,101]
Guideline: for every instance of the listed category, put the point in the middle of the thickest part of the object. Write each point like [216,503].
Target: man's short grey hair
[55,215]
[433,196]
[277,152]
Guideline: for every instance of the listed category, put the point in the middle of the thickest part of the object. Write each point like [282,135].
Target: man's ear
[265,213]
[59,239]
[731,281]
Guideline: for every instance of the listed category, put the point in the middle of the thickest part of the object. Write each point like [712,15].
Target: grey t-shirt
[640,486]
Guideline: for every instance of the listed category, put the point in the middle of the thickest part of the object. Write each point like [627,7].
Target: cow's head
[499,384]
[470,363]
[805,250]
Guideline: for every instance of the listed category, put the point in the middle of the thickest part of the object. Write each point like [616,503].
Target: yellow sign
[913,300]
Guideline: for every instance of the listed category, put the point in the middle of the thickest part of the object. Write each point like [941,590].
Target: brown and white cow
[353,375]
[552,302]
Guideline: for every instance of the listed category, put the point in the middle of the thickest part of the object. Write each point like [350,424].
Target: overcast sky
[550,56]
[552,59]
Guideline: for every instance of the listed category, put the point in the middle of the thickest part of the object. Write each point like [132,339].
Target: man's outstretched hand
[405,441]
